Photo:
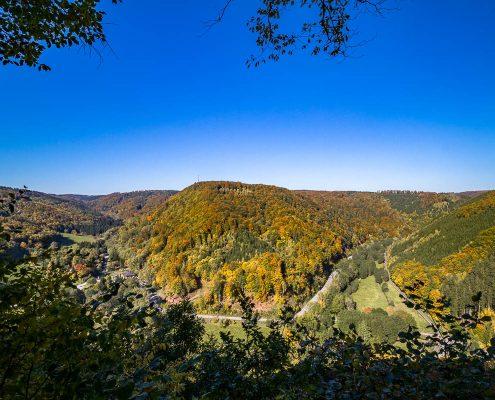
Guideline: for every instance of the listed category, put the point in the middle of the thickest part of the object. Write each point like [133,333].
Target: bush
[381,275]
[347,320]
[352,287]
[337,304]
[349,303]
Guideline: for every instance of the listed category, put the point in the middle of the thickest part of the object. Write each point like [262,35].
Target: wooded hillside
[214,238]
[357,216]
[126,205]
[122,205]
[40,217]
[451,252]
[223,236]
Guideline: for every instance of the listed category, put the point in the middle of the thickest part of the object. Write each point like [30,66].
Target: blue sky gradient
[412,108]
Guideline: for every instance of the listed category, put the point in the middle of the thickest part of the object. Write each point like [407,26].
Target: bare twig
[220,15]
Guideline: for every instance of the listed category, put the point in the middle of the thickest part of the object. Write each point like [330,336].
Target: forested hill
[51,212]
[223,236]
[357,216]
[125,205]
[453,255]
[420,208]
[216,237]
[41,218]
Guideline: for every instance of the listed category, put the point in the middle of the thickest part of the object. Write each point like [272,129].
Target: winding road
[311,302]
[226,317]
[317,296]
[420,312]
[314,300]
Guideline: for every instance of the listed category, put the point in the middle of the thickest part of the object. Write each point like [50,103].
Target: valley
[279,247]
[238,266]
[247,200]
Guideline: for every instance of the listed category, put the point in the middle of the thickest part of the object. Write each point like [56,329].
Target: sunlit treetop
[29,27]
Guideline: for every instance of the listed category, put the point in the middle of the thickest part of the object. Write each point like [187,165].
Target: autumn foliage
[214,239]
[221,237]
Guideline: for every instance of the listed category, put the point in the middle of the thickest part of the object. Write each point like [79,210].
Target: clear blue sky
[414,108]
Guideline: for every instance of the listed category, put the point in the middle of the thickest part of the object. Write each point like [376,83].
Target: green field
[78,238]
[370,294]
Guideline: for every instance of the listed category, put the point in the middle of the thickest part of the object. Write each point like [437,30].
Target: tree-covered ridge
[126,205]
[223,236]
[216,237]
[121,206]
[357,216]
[450,233]
[423,204]
[449,251]
[40,217]
[58,214]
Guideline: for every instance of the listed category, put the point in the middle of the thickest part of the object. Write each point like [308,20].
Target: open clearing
[370,294]
[78,238]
